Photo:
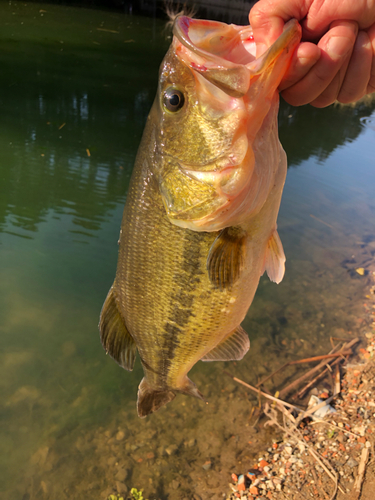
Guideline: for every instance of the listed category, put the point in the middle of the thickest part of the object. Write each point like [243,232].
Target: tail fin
[150,400]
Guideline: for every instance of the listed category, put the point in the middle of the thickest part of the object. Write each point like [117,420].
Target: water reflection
[72,112]
[318,132]
[77,145]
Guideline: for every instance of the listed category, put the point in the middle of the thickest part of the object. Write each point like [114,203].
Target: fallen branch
[302,392]
[311,372]
[361,470]
[302,361]
[258,391]
[337,388]
[303,413]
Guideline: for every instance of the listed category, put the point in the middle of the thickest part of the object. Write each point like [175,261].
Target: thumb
[266,29]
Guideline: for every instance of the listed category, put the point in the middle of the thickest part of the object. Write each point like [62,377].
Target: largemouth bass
[199,224]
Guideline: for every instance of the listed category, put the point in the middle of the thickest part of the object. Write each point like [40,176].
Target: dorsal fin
[116,339]
[233,348]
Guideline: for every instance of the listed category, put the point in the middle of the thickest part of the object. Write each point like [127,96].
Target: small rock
[171,450]
[301,447]
[253,490]
[121,487]
[105,493]
[207,465]
[120,435]
[121,475]
[192,442]
[161,451]
[352,463]
[175,484]
[270,485]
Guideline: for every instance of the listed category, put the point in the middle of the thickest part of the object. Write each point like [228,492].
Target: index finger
[268,17]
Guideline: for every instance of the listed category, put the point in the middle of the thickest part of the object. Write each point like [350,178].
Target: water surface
[76,87]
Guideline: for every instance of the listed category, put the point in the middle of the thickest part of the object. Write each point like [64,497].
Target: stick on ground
[361,470]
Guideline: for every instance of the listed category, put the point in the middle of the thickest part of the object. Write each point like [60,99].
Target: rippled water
[76,87]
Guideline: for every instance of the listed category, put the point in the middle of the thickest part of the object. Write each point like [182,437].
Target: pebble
[192,442]
[121,475]
[351,462]
[120,435]
[207,465]
[172,449]
[175,484]
[121,487]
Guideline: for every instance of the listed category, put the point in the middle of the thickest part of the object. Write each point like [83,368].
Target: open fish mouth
[226,54]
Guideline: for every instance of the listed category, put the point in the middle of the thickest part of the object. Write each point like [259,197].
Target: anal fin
[233,348]
[191,389]
[150,400]
[226,257]
[114,335]
[275,258]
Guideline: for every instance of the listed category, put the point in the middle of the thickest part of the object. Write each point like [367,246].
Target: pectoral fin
[226,257]
[114,335]
[233,348]
[275,258]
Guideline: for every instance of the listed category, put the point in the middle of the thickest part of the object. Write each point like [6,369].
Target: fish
[199,226]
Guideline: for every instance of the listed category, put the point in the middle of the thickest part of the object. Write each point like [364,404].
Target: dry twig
[305,360]
[361,471]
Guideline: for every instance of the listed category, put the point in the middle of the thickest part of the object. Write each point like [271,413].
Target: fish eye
[173,99]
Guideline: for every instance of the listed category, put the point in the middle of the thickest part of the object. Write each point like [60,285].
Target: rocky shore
[319,456]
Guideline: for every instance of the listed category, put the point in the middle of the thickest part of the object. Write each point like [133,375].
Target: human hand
[340,65]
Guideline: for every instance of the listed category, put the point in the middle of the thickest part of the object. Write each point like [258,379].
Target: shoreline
[331,457]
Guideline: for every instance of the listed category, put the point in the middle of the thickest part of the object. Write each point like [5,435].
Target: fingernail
[338,46]
[308,61]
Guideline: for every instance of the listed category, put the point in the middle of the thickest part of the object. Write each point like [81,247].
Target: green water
[76,86]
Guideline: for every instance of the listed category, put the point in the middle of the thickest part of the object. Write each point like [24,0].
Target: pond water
[76,87]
